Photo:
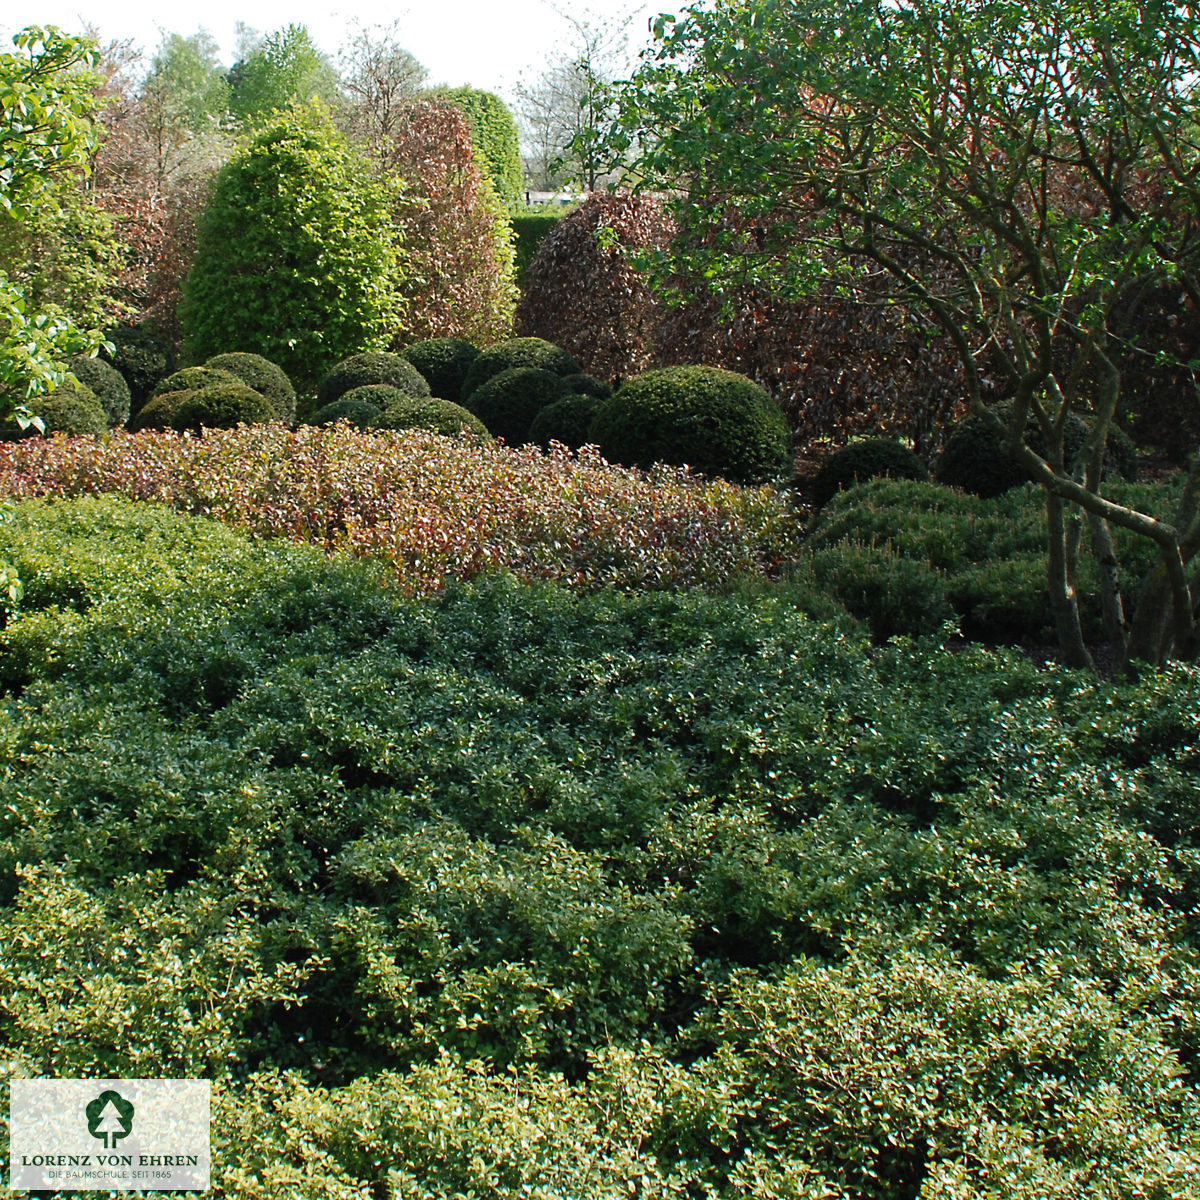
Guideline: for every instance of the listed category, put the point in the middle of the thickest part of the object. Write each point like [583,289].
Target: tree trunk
[1064,601]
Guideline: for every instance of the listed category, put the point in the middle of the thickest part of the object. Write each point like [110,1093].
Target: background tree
[1015,170]
[296,258]
[282,67]
[47,135]
[380,79]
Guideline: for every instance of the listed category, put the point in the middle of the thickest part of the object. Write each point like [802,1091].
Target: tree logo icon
[109,1117]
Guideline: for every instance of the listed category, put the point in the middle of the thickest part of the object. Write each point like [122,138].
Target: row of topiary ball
[524,390]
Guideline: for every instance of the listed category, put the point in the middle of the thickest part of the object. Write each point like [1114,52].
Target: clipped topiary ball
[363,370]
[159,411]
[716,422]
[444,362]
[431,412]
[75,411]
[517,352]
[567,421]
[142,358]
[507,403]
[360,413]
[191,379]
[108,385]
[974,459]
[223,406]
[589,385]
[868,459]
[264,377]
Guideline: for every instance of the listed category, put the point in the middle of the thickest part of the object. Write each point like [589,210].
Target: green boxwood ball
[108,385]
[191,379]
[507,403]
[589,385]
[431,412]
[159,411]
[868,459]
[517,352]
[716,422]
[223,406]
[264,376]
[359,413]
[567,421]
[444,362]
[142,358]
[75,411]
[363,370]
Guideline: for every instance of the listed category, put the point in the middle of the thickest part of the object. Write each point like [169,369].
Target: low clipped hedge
[508,402]
[430,412]
[444,362]
[365,370]
[264,376]
[223,406]
[716,422]
[870,459]
[517,352]
[75,411]
[107,384]
[566,421]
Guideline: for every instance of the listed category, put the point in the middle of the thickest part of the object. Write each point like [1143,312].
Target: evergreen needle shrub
[868,459]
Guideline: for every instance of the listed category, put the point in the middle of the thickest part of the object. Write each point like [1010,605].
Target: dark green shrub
[517,352]
[717,422]
[531,229]
[507,403]
[567,421]
[430,412]
[589,385]
[159,411]
[142,357]
[493,135]
[444,362]
[360,413]
[71,410]
[868,459]
[107,384]
[264,377]
[191,379]
[363,370]
[223,406]
[975,460]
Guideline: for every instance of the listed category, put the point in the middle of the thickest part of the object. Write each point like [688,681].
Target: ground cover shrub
[428,412]
[222,406]
[365,370]
[450,893]
[508,402]
[107,384]
[516,352]
[436,509]
[868,459]
[263,376]
[715,421]
[444,363]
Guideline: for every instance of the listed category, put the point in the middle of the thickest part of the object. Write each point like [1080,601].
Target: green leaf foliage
[508,402]
[366,370]
[517,352]
[493,134]
[264,377]
[444,363]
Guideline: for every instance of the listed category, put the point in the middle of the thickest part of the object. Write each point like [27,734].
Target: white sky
[491,44]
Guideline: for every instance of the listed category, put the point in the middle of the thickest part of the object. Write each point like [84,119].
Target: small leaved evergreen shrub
[359,413]
[975,460]
[363,370]
[223,406]
[716,422]
[264,376]
[517,352]
[508,402]
[444,363]
[867,459]
[589,385]
[191,379]
[159,411]
[142,357]
[430,412]
[531,229]
[107,384]
[72,410]
[567,421]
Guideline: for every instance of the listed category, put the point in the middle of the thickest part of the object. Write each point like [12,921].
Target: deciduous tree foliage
[1016,170]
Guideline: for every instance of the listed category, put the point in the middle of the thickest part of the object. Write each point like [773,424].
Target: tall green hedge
[494,134]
